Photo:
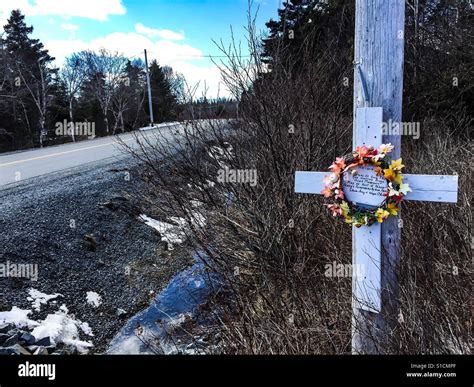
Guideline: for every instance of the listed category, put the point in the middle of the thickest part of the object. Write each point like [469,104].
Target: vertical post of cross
[378,82]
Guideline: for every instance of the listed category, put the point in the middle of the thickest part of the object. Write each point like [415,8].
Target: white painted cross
[367,244]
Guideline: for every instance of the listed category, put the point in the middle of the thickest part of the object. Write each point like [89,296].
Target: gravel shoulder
[81,228]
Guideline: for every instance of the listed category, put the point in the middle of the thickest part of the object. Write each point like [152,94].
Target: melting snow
[18,317]
[62,328]
[169,232]
[38,298]
[93,299]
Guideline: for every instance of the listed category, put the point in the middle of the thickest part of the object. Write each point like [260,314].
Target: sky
[178,33]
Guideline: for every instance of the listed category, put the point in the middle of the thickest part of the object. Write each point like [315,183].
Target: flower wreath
[384,166]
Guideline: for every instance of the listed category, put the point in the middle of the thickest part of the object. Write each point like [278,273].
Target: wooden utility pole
[149,90]
[378,82]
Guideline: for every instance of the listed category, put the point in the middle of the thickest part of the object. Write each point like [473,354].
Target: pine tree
[314,25]
[27,66]
[164,102]
[135,116]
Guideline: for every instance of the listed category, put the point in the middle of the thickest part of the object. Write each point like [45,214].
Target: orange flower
[338,165]
[365,151]
[327,192]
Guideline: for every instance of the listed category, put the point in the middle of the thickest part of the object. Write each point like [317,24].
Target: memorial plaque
[364,186]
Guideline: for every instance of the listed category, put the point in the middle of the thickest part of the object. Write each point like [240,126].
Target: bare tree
[38,89]
[106,69]
[73,75]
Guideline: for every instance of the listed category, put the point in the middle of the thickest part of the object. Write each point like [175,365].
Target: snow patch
[94,299]
[62,328]
[59,327]
[174,233]
[38,298]
[169,232]
[17,317]
[171,125]
[178,320]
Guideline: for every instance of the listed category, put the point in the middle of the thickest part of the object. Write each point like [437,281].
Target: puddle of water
[179,300]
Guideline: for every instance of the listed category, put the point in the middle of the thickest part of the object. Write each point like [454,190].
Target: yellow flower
[388,173]
[392,175]
[393,209]
[381,215]
[397,165]
[398,179]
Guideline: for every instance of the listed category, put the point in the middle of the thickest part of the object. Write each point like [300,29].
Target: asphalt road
[20,166]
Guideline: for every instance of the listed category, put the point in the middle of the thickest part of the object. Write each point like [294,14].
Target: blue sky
[175,32]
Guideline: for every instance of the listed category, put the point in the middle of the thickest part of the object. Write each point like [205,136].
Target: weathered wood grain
[378,54]
[432,188]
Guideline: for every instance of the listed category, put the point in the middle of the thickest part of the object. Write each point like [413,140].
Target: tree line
[94,93]
[439,59]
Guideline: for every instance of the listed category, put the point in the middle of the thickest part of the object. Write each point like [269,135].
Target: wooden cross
[378,90]
[366,243]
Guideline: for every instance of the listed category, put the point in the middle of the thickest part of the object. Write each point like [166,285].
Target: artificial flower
[345,208]
[404,188]
[381,214]
[378,171]
[363,151]
[392,191]
[338,165]
[327,192]
[330,179]
[339,194]
[397,165]
[336,210]
[378,157]
[392,175]
[393,208]
[386,148]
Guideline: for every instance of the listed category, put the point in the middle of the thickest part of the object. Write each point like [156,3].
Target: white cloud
[90,9]
[183,58]
[164,34]
[69,27]
[164,45]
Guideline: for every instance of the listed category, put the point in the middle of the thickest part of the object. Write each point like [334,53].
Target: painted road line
[66,152]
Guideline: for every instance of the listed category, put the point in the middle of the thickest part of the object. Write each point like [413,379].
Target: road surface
[20,166]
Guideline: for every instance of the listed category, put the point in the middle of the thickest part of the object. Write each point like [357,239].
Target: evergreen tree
[164,102]
[28,76]
[135,115]
[438,49]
